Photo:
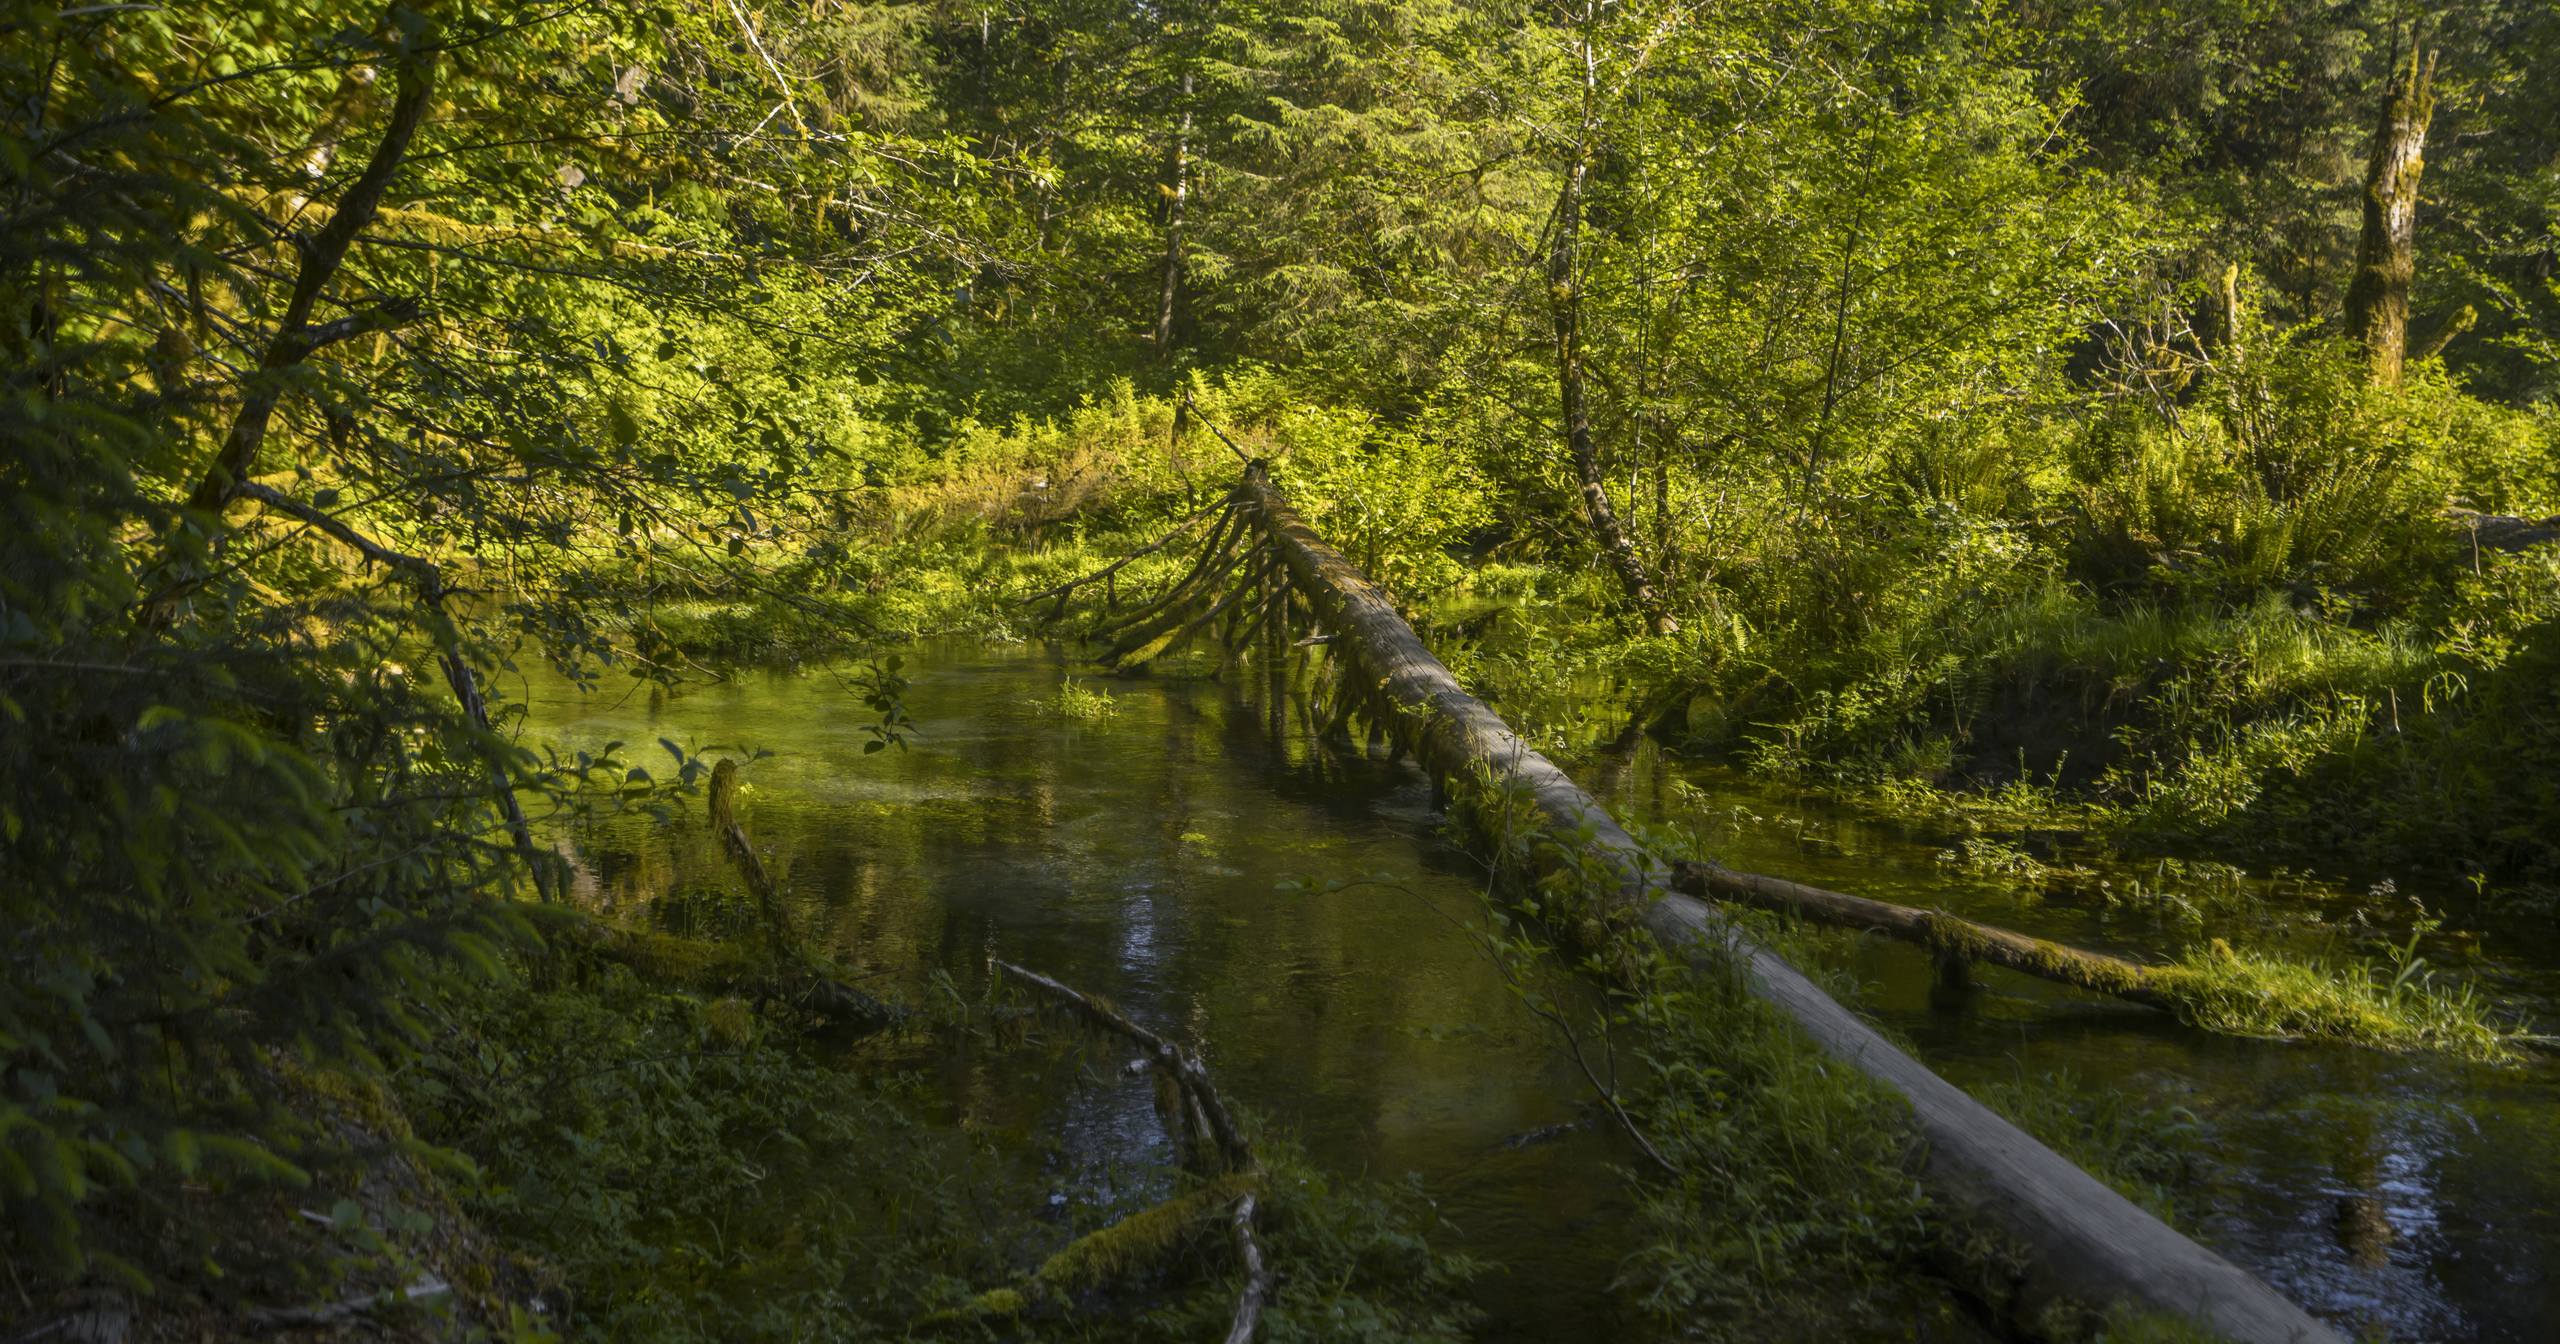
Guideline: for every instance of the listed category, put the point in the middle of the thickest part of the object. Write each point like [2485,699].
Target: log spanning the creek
[2084,1245]
[1953,938]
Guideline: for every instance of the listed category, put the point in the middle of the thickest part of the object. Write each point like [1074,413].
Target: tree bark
[2386,251]
[1177,195]
[1564,307]
[2082,1242]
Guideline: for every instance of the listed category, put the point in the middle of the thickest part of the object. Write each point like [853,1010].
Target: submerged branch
[1178,1064]
[1189,1075]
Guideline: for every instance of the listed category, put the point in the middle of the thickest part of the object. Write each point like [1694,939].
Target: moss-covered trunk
[2386,250]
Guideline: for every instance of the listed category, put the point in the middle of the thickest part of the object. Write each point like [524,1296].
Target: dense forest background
[2142,411]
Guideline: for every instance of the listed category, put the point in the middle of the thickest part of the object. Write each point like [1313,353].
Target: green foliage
[1395,501]
[1080,703]
[1793,1208]
[291,471]
[352,358]
[686,1180]
[1775,1190]
[2150,1152]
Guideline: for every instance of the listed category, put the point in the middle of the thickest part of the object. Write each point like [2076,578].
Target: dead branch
[1188,1074]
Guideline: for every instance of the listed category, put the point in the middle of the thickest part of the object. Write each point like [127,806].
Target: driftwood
[1947,935]
[2084,1246]
[1201,1096]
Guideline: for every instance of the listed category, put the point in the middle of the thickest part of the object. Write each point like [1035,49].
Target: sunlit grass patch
[2396,1005]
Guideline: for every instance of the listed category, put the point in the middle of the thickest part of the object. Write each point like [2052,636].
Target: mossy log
[1140,1244]
[2083,1244]
[1936,930]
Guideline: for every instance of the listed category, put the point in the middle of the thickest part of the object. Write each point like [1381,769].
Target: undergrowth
[1776,1193]
[696,1168]
[2392,1006]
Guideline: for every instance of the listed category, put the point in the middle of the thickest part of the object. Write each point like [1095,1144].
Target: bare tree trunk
[1177,195]
[1564,303]
[2386,253]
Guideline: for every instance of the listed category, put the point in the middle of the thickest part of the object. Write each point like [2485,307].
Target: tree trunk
[2081,1241]
[1564,304]
[1177,194]
[2386,252]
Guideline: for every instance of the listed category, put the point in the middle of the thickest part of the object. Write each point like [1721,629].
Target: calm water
[1143,856]
[2413,1196]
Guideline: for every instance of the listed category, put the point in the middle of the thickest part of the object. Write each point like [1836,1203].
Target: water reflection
[2410,1195]
[1140,857]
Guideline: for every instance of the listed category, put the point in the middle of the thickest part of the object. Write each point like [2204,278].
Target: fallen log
[2503,531]
[1942,933]
[2083,1246]
[1192,1078]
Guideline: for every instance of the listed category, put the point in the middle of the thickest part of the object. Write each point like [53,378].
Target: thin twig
[1241,455]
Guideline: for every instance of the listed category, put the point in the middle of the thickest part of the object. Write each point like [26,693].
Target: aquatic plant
[2393,1004]
[1080,702]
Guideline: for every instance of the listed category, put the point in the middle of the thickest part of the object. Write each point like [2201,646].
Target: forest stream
[1504,632]
[1169,856]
